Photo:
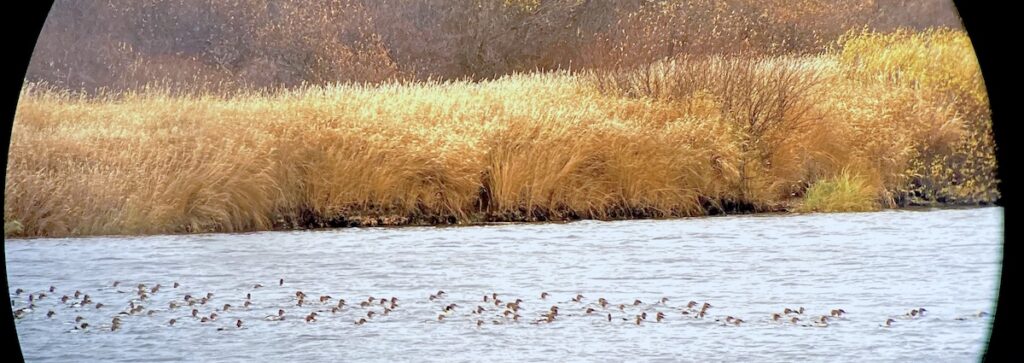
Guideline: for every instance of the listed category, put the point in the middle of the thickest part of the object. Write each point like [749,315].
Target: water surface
[872,265]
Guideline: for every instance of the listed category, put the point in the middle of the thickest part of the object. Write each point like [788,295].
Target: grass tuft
[843,193]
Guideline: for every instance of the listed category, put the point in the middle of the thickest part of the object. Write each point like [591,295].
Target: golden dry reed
[885,119]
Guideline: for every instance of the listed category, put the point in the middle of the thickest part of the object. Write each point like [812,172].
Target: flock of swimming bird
[491,308]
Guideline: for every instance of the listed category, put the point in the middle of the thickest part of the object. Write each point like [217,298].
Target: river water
[872,265]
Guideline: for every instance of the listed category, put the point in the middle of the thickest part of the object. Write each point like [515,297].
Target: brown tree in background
[235,44]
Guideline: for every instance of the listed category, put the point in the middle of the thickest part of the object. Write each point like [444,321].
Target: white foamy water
[872,265]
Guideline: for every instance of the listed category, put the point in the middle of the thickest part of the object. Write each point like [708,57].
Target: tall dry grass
[684,136]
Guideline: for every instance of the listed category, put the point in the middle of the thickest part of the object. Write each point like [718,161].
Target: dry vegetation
[227,45]
[874,119]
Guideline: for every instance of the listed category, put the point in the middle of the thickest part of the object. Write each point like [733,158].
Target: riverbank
[888,120]
[791,207]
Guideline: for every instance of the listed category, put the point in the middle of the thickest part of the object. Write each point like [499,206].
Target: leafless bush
[226,45]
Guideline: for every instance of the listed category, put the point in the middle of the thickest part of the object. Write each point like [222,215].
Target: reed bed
[905,112]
